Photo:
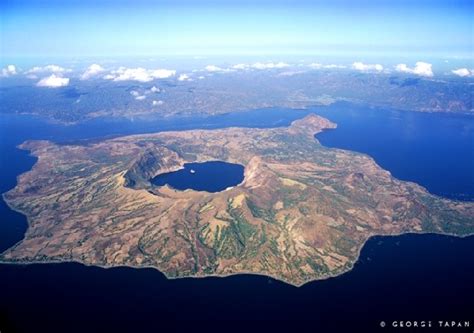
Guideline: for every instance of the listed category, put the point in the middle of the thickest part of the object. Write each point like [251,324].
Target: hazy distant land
[211,93]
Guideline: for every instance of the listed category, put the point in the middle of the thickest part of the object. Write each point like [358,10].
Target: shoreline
[306,106]
[329,276]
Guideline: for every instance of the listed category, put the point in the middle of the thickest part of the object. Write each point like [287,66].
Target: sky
[138,28]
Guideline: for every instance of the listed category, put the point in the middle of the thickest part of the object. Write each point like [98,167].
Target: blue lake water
[433,150]
[409,277]
[212,176]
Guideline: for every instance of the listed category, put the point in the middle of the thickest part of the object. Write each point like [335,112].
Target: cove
[212,176]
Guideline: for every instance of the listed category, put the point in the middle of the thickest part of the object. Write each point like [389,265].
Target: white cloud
[257,65]
[91,71]
[241,66]
[137,95]
[133,74]
[315,65]
[367,67]
[463,72]
[155,103]
[321,66]
[269,65]
[334,66]
[155,89]
[8,71]
[213,68]
[421,68]
[139,74]
[53,81]
[183,77]
[162,73]
[48,69]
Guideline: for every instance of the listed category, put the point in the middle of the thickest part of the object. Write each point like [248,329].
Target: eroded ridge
[302,213]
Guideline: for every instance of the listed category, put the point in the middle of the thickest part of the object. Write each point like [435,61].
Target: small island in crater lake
[301,213]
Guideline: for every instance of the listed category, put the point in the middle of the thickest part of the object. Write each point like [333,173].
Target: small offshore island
[302,213]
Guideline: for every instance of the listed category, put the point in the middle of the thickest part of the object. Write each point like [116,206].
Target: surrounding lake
[409,277]
[212,176]
[388,283]
[433,150]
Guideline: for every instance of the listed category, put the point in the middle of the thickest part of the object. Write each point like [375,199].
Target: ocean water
[409,277]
